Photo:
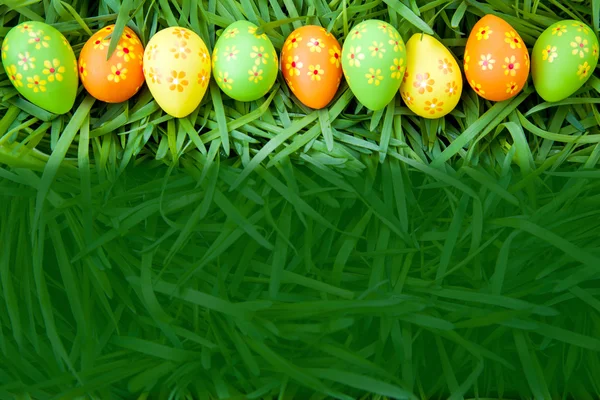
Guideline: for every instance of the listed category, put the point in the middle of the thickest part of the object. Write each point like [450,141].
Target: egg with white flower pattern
[177,70]
[373,61]
[311,65]
[41,65]
[563,59]
[118,78]
[244,62]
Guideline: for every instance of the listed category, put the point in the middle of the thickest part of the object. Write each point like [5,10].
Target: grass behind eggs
[264,250]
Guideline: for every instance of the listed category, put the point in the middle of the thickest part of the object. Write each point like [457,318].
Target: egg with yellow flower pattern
[120,77]
[563,59]
[373,61]
[41,65]
[177,70]
[432,84]
[244,62]
[311,65]
[496,60]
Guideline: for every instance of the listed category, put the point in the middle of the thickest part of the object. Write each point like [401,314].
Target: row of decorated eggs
[376,63]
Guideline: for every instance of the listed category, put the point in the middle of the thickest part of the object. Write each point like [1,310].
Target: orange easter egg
[311,65]
[496,60]
[120,77]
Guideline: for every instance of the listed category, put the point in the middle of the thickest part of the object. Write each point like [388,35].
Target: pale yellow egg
[432,83]
[177,70]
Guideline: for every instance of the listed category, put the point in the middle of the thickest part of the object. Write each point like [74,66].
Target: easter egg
[41,65]
[177,70]
[244,62]
[117,79]
[432,84]
[373,61]
[311,65]
[496,60]
[563,59]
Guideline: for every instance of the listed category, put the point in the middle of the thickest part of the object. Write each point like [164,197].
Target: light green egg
[41,65]
[563,59]
[244,63]
[373,61]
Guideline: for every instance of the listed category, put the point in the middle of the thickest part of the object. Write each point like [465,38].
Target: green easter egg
[244,63]
[373,61]
[41,65]
[563,59]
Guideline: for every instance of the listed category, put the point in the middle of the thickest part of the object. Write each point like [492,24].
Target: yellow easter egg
[177,70]
[432,83]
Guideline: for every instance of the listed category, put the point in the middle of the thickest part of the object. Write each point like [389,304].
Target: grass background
[265,250]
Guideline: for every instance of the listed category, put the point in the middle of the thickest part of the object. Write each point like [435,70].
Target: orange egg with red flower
[496,60]
[120,77]
[311,65]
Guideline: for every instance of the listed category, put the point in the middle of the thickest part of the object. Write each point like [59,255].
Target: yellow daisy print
[54,70]
[293,65]
[118,73]
[259,55]
[477,87]
[335,54]
[583,70]
[513,40]
[225,80]
[231,53]
[549,53]
[125,52]
[511,87]
[83,72]
[39,39]
[37,84]
[559,30]
[4,48]
[395,43]
[581,28]
[374,76]
[25,28]
[358,31]
[397,69]
[484,33]
[255,74]
[293,41]
[580,47]
[315,72]
[231,33]
[377,50]
[14,76]
[252,30]
[510,66]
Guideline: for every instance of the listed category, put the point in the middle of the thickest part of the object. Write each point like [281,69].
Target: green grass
[299,254]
